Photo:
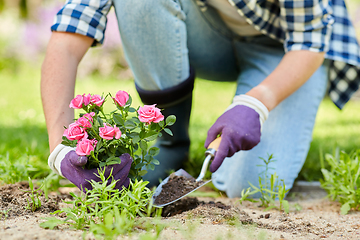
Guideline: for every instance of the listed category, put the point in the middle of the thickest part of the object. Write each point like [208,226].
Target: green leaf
[31,185]
[135,120]
[118,119]
[161,124]
[109,163]
[132,110]
[143,145]
[170,120]
[132,134]
[99,145]
[113,159]
[142,172]
[151,136]
[51,223]
[345,208]
[139,165]
[154,151]
[168,131]
[286,206]
[130,124]
[344,189]
[136,139]
[129,102]
[150,167]
[155,162]
[142,134]
[99,122]
[270,207]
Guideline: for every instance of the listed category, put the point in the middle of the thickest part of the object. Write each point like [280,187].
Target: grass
[23,132]
[333,129]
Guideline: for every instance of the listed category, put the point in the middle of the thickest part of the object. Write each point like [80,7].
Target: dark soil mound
[15,198]
[189,203]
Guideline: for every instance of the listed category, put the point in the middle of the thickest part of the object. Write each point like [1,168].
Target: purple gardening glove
[240,129]
[72,169]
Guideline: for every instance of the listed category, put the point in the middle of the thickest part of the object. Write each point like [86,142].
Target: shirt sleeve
[307,24]
[85,17]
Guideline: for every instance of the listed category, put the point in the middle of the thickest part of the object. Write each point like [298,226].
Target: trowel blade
[180,173]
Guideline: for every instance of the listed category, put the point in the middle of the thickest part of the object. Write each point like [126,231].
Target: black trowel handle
[210,152]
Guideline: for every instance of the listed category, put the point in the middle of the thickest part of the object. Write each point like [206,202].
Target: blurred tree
[25,8]
[2,5]
[24,11]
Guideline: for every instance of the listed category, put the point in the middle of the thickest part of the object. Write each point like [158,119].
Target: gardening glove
[65,162]
[239,127]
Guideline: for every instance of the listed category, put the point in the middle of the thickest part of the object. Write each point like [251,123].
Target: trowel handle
[215,144]
[210,152]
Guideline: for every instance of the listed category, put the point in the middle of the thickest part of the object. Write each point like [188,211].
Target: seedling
[269,188]
[342,181]
[4,214]
[34,194]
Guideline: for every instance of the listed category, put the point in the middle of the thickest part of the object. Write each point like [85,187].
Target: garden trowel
[209,155]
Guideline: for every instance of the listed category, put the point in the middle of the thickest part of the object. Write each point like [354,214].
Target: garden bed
[311,217]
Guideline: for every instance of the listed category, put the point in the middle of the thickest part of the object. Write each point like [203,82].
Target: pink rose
[150,113]
[108,132]
[97,100]
[121,98]
[86,99]
[89,116]
[75,132]
[85,146]
[80,101]
[77,102]
[84,122]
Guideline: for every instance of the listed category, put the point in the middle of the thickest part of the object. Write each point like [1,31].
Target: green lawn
[23,134]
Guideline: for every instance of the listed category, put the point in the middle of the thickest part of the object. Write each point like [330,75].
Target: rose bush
[103,137]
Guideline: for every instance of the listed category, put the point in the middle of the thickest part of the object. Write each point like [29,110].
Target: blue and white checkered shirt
[318,26]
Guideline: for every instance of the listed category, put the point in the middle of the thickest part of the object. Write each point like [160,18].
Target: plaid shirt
[318,26]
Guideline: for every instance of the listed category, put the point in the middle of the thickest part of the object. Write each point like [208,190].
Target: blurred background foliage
[24,33]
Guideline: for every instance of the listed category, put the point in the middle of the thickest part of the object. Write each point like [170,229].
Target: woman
[279,52]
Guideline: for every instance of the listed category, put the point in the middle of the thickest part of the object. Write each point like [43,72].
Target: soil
[176,187]
[16,199]
[312,216]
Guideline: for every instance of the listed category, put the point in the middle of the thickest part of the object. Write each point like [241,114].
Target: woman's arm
[293,71]
[58,75]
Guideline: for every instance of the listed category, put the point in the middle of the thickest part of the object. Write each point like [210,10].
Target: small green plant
[4,214]
[269,188]
[34,203]
[342,181]
[50,183]
[105,211]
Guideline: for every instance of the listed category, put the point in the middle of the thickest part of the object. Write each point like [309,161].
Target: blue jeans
[162,38]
